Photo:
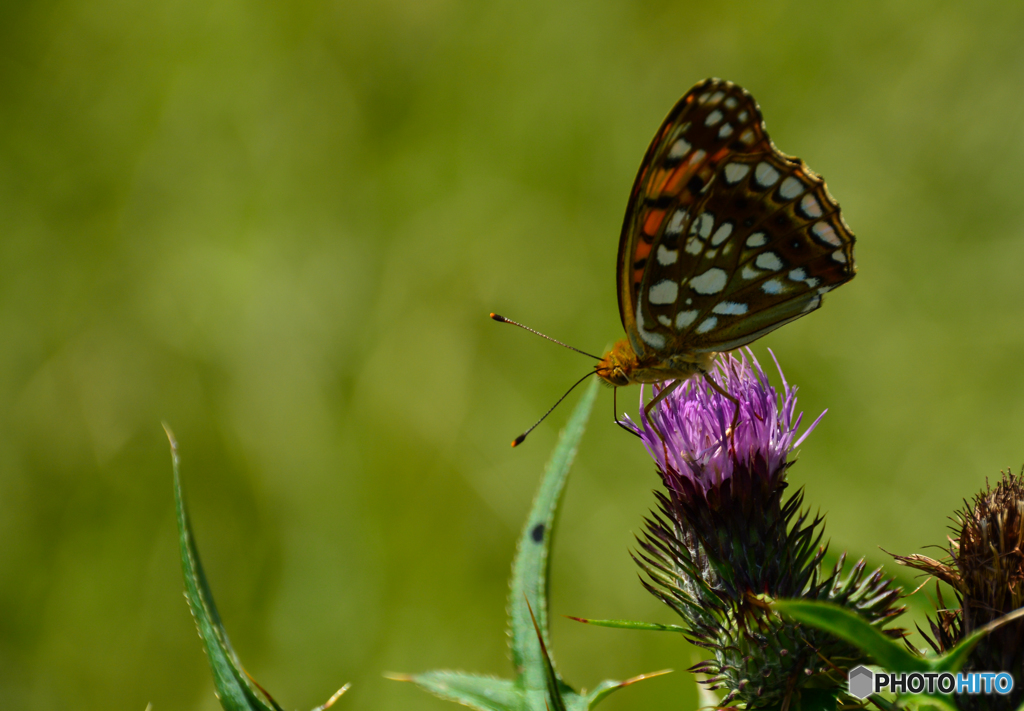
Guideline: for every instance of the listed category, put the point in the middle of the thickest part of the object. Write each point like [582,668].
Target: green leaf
[887,653]
[847,625]
[955,658]
[538,686]
[606,687]
[554,700]
[529,586]
[630,625]
[236,690]
[478,692]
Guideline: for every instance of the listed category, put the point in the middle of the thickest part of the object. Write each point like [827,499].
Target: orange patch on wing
[674,180]
[656,186]
[653,222]
[642,250]
[719,155]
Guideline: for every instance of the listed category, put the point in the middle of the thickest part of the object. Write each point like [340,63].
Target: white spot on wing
[716,97]
[758,239]
[725,131]
[747,137]
[694,246]
[797,275]
[680,148]
[824,232]
[710,282]
[765,175]
[812,304]
[721,234]
[675,223]
[735,172]
[654,340]
[685,318]
[713,118]
[664,292]
[707,324]
[730,308]
[812,282]
[664,320]
[810,207]
[731,103]
[839,256]
[704,224]
[773,286]
[667,257]
[744,115]
[790,188]
[749,272]
[769,261]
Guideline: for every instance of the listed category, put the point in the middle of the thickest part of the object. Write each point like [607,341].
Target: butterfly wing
[713,120]
[725,240]
[765,242]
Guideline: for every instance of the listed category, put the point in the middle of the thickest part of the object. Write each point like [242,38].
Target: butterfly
[725,239]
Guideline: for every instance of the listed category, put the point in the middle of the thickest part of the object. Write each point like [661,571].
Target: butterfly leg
[662,394]
[718,389]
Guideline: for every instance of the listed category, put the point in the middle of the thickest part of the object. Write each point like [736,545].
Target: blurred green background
[280,228]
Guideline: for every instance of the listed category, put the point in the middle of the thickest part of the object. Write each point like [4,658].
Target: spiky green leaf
[477,692]
[538,686]
[885,652]
[850,627]
[631,625]
[955,658]
[236,690]
[529,585]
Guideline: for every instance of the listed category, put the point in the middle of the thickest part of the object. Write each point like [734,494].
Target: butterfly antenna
[502,319]
[519,440]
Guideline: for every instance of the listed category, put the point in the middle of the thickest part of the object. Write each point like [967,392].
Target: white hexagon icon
[861,682]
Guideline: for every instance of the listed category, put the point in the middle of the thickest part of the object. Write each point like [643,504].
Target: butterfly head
[618,364]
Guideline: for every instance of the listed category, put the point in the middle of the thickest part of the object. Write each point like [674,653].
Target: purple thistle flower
[725,540]
[691,426]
